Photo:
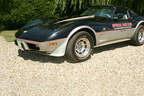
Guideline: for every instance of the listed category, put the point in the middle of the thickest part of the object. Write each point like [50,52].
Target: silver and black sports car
[76,37]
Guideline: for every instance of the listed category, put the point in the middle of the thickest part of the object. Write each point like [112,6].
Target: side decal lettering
[121,25]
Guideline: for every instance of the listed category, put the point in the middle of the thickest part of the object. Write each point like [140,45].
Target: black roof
[110,6]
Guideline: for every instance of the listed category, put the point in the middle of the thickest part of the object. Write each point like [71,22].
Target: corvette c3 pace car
[76,37]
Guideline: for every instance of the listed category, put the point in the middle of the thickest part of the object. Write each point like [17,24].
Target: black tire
[135,39]
[71,52]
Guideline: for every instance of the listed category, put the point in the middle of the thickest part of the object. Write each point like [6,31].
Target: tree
[69,7]
[16,13]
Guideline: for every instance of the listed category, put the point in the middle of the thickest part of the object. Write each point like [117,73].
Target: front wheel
[80,47]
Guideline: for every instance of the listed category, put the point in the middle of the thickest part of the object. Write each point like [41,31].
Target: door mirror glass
[120,16]
[116,17]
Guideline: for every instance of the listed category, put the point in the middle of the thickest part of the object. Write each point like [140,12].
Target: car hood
[41,29]
[53,21]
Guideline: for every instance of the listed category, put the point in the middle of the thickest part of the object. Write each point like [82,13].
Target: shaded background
[16,13]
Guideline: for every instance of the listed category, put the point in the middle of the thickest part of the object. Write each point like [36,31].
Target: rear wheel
[80,47]
[138,39]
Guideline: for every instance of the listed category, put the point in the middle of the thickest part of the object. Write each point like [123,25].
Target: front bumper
[52,48]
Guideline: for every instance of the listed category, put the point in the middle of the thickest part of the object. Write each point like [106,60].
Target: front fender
[60,51]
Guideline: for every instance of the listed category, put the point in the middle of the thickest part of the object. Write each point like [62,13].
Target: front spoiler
[43,47]
[37,52]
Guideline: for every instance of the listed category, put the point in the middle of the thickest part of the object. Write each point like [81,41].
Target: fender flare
[79,28]
[62,49]
[139,25]
[75,30]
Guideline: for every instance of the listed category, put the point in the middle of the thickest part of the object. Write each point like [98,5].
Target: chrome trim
[36,42]
[82,47]
[78,18]
[20,43]
[25,45]
[78,28]
[141,36]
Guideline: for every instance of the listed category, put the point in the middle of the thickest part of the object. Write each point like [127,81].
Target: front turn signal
[52,44]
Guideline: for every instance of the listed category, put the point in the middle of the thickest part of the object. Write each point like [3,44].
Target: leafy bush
[22,11]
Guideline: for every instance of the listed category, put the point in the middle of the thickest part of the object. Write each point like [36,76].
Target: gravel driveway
[113,70]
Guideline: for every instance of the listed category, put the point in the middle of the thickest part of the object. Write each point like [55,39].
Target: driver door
[117,28]
[123,23]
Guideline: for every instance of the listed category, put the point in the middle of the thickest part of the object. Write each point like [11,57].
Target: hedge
[19,12]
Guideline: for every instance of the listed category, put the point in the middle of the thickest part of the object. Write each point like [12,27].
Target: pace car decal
[122,25]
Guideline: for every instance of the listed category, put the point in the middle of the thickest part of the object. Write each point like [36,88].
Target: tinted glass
[100,11]
[121,14]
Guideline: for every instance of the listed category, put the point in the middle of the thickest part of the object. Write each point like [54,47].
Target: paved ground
[114,70]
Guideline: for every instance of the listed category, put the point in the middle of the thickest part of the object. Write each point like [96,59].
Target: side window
[121,14]
[132,13]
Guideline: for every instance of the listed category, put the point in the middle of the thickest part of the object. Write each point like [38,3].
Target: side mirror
[120,16]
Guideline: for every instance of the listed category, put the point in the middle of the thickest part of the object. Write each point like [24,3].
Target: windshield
[99,11]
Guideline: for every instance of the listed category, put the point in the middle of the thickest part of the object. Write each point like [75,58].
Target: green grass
[9,35]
